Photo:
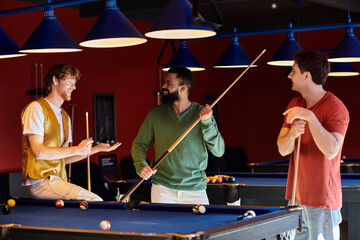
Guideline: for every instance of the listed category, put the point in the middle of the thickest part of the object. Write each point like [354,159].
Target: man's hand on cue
[147,172]
[84,147]
[205,113]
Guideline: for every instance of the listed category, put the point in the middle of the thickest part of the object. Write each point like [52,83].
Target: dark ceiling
[245,15]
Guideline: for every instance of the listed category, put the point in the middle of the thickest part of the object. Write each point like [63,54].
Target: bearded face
[167,97]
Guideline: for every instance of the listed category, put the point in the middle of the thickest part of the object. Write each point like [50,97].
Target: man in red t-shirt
[322,120]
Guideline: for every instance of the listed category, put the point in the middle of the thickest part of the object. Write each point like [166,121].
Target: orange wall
[250,113]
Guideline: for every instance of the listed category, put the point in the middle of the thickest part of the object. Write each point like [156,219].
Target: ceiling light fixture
[285,54]
[112,29]
[50,37]
[184,57]
[177,22]
[342,69]
[8,48]
[348,50]
[234,56]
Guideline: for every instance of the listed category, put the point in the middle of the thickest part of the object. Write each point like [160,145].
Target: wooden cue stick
[133,188]
[88,157]
[292,203]
[72,130]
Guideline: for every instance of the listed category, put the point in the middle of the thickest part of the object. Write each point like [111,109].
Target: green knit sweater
[184,168]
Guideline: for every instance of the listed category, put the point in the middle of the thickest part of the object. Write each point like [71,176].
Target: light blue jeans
[319,224]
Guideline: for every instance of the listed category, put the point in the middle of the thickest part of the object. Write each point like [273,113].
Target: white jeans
[56,188]
[161,194]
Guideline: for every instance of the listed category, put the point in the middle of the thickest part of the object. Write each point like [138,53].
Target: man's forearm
[285,142]
[327,143]
[74,159]
[51,153]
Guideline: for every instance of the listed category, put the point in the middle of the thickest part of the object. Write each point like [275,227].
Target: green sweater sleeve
[212,137]
[141,143]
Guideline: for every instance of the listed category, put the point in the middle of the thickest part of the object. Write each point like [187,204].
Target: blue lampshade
[183,57]
[8,48]
[177,22]
[348,50]
[112,29]
[342,69]
[234,56]
[50,37]
[285,54]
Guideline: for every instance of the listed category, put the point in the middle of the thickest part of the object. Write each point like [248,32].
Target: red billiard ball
[59,204]
[105,225]
[84,205]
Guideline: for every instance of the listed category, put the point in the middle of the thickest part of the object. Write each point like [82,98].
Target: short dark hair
[185,75]
[60,72]
[315,63]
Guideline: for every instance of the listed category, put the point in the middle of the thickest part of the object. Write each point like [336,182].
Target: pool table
[263,189]
[347,165]
[40,219]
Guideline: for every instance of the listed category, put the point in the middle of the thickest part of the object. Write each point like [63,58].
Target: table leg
[353,220]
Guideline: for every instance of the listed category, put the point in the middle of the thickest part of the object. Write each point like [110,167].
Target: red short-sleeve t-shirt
[319,178]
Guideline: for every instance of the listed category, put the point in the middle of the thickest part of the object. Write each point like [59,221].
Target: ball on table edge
[225,179]
[11,202]
[59,203]
[202,209]
[219,179]
[84,205]
[199,209]
[249,214]
[195,209]
[105,225]
[231,179]
[6,209]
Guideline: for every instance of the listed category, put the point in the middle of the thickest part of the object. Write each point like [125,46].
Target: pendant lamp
[112,29]
[184,57]
[8,48]
[50,37]
[176,22]
[234,56]
[342,69]
[285,54]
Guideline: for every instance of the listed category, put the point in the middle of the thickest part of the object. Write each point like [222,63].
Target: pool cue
[41,80]
[88,157]
[133,188]
[292,203]
[36,81]
[72,130]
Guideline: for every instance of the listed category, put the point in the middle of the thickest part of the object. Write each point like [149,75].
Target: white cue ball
[105,225]
[202,209]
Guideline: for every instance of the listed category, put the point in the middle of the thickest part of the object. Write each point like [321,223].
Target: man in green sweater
[180,178]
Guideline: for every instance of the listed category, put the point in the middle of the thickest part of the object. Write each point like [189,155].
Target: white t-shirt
[33,120]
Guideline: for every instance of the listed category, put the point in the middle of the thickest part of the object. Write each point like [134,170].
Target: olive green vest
[41,168]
